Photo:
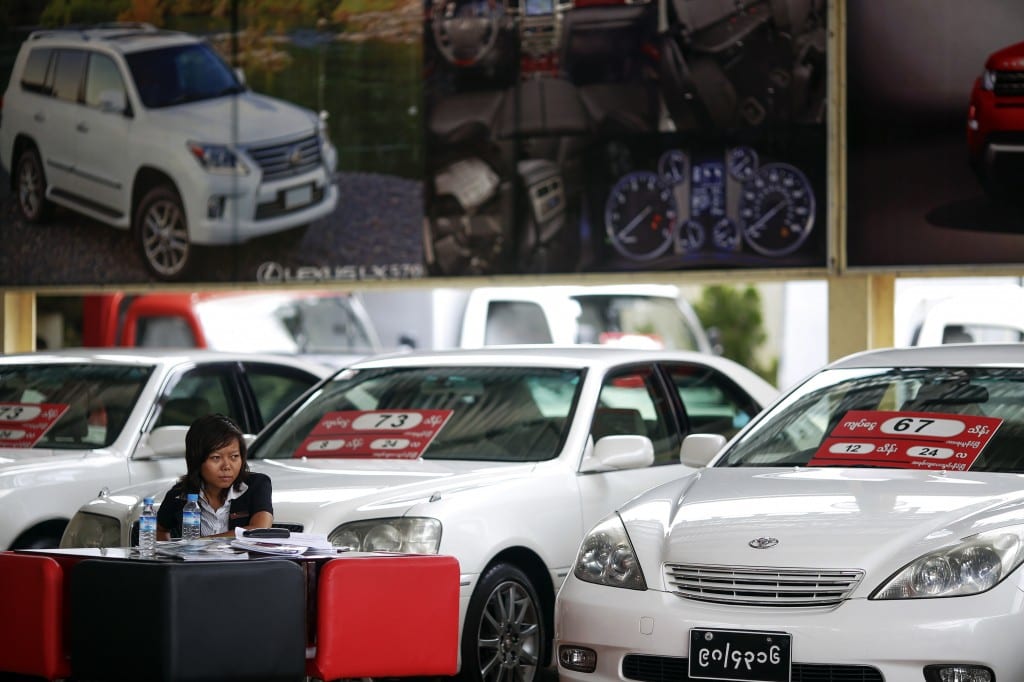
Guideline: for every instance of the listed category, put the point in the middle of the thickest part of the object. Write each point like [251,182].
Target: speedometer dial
[777,209]
[639,216]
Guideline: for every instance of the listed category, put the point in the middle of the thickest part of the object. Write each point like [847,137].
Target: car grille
[670,669]
[758,586]
[1010,84]
[287,159]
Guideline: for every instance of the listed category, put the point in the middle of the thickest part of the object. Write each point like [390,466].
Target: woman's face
[221,468]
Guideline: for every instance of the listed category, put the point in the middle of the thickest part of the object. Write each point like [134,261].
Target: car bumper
[995,132]
[898,638]
[233,211]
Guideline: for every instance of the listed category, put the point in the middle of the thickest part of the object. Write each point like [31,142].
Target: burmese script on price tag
[388,434]
[23,424]
[906,440]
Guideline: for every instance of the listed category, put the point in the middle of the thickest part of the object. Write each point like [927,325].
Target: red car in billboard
[995,120]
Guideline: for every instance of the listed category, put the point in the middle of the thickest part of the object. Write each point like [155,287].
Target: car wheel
[503,636]
[31,187]
[161,232]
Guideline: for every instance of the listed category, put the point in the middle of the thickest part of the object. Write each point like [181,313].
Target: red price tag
[388,434]
[23,424]
[906,440]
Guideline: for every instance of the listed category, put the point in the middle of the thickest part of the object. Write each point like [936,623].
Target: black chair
[188,621]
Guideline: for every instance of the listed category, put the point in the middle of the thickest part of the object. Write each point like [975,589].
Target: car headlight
[217,158]
[977,564]
[606,557]
[92,530]
[412,535]
[988,80]
[323,128]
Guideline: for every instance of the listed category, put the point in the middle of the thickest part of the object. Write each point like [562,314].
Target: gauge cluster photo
[668,207]
[573,136]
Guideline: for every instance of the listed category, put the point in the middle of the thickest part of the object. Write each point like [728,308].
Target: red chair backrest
[32,616]
[407,625]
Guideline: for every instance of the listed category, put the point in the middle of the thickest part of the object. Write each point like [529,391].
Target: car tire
[161,234]
[504,636]
[30,185]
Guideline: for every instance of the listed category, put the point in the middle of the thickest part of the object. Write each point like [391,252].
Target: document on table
[294,544]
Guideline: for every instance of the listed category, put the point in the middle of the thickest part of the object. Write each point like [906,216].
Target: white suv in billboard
[150,130]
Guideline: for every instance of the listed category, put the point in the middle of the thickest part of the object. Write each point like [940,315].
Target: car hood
[18,466]
[305,489]
[1009,58]
[336,490]
[876,520]
[243,119]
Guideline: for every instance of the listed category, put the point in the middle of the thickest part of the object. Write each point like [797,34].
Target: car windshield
[179,74]
[66,406]
[285,324]
[634,321]
[504,414]
[951,419]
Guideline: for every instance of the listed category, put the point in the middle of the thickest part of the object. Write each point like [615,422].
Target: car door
[633,400]
[56,117]
[104,179]
[187,394]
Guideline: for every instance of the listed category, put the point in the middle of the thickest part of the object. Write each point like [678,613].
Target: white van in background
[634,315]
[930,314]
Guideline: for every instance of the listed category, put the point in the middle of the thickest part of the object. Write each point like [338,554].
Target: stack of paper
[296,543]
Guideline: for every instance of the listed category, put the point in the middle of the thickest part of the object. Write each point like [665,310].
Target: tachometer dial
[777,209]
[639,215]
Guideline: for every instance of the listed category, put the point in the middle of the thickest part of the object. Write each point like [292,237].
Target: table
[260,618]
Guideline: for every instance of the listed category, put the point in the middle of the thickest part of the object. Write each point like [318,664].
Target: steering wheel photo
[466,31]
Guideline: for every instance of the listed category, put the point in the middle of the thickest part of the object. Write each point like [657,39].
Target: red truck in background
[995,120]
[325,323]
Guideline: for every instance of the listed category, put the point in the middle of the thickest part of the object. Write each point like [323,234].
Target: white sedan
[73,422]
[500,457]
[869,527]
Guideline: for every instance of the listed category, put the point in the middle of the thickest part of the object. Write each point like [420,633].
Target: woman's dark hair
[206,435]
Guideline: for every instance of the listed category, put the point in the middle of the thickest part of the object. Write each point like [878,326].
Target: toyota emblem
[763,543]
[295,155]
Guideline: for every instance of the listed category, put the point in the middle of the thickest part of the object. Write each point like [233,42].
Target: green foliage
[62,12]
[736,315]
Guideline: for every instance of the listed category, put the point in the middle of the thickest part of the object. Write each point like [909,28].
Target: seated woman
[230,496]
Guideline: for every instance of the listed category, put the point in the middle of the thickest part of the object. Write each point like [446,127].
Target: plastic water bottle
[147,529]
[190,517]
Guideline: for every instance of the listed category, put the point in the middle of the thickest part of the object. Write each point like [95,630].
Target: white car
[74,422]
[152,131]
[869,526]
[500,457]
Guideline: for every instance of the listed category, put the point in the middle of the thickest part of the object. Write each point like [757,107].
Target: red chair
[386,616]
[33,616]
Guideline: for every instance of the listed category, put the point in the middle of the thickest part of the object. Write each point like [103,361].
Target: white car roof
[525,355]
[955,355]
[125,39]
[159,356]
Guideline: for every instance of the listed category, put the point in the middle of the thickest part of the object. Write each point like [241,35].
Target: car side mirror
[700,448]
[613,453]
[164,442]
[113,101]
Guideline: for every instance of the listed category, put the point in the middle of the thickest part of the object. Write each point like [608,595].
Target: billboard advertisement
[935,134]
[312,142]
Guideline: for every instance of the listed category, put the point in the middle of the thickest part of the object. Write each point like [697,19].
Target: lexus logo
[295,156]
[763,543]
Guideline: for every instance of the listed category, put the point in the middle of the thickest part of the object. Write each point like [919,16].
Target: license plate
[739,655]
[300,196]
